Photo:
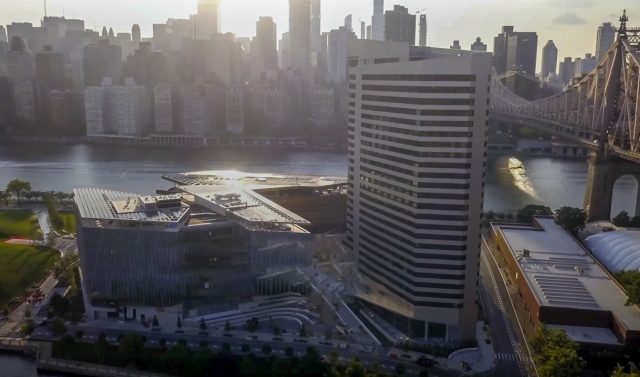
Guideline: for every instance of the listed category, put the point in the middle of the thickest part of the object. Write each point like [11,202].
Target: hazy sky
[570,23]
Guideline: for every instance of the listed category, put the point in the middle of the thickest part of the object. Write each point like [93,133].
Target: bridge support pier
[599,191]
[603,173]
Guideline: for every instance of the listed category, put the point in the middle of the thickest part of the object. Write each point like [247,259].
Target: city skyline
[571,24]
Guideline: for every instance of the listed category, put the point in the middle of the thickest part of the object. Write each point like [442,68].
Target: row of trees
[18,189]
[571,219]
[179,360]
[624,220]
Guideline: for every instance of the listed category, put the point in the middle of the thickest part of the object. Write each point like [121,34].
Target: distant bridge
[602,112]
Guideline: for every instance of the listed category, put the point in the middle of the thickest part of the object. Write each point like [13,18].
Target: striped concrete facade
[417,139]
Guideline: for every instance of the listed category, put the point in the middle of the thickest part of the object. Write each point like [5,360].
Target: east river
[511,181]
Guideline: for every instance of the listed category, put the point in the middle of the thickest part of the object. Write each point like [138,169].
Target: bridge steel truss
[602,110]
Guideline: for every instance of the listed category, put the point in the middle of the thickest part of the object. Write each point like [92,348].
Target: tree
[355,369]
[526,213]
[227,326]
[245,348]
[101,347]
[333,357]
[635,222]
[27,328]
[179,323]
[67,345]
[555,354]
[619,372]
[58,328]
[4,196]
[288,351]
[226,348]
[203,325]
[571,219]
[155,322]
[252,325]
[266,349]
[131,348]
[400,369]
[423,373]
[622,219]
[79,334]
[630,280]
[177,359]
[303,331]
[18,188]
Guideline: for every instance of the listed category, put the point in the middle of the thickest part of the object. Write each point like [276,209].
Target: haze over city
[320,188]
[570,23]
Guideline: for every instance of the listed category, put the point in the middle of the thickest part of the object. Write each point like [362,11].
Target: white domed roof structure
[617,251]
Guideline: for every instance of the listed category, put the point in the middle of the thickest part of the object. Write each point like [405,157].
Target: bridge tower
[604,167]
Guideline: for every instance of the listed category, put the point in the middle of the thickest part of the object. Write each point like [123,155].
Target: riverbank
[193,142]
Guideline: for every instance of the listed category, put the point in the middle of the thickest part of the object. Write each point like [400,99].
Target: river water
[511,181]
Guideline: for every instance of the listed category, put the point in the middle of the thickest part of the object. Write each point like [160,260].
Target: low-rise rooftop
[100,204]
[561,273]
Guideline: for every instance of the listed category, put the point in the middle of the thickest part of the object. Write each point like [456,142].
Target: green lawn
[17,224]
[69,219]
[21,266]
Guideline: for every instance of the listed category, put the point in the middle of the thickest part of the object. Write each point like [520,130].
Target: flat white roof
[248,206]
[561,273]
[583,334]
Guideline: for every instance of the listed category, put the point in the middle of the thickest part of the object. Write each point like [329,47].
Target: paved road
[509,342]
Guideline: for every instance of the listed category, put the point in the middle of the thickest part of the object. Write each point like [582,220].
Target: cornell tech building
[417,139]
[206,245]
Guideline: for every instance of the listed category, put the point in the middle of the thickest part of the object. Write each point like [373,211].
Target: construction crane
[421,11]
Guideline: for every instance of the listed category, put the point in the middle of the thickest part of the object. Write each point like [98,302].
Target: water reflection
[520,179]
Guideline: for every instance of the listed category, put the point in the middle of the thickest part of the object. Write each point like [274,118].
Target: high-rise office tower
[102,60]
[135,33]
[338,53]
[163,108]
[284,58]
[369,32]
[500,49]
[584,65]
[522,52]
[116,109]
[478,45]
[399,25]
[348,22]
[566,70]
[207,19]
[604,39]
[455,45]
[147,67]
[267,42]
[363,30]
[196,115]
[3,35]
[105,33]
[235,110]
[549,59]
[515,51]
[300,51]
[423,30]
[19,60]
[50,69]
[315,27]
[416,168]
[377,21]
